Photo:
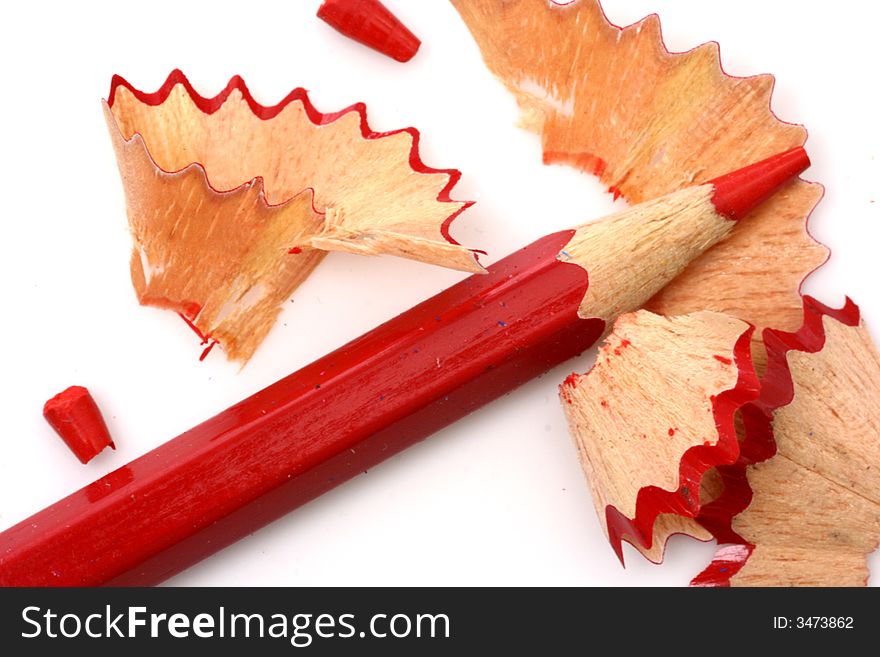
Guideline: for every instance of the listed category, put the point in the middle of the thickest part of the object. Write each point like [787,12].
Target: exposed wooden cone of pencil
[232,204]
[653,416]
[814,514]
[614,102]
[632,255]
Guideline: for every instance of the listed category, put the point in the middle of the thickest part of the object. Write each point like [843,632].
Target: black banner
[281,621]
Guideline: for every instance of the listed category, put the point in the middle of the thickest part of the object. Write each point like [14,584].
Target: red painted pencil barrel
[312,430]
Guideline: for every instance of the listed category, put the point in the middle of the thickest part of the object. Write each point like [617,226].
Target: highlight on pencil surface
[614,102]
[232,204]
[803,508]
[654,416]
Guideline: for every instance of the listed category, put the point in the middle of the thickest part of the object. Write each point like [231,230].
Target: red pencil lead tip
[372,24]
[739,192]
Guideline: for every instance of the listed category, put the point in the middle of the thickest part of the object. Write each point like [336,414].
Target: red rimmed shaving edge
[218,199]
[801,507]
[653,417]
[777,390]
[783,473]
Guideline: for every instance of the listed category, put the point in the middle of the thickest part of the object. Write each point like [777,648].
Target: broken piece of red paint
[76,417]
[371,398]
[371,23]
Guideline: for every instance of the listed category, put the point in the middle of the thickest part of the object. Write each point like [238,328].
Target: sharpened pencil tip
[739,192]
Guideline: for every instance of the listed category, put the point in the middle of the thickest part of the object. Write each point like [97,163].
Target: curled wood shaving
[655,414]
[231,204]
[814,512]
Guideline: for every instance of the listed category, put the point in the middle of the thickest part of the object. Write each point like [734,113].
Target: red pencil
[375,396]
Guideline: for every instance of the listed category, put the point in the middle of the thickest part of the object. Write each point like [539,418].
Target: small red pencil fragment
[371,23]
[76,418]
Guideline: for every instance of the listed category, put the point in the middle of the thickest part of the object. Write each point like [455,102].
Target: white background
[499,497]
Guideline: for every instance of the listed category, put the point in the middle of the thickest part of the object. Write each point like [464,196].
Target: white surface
[499,497]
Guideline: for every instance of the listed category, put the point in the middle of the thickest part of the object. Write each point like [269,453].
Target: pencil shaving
[614,102]
[756,418]
[653,416]
[232,204]
[814,511]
